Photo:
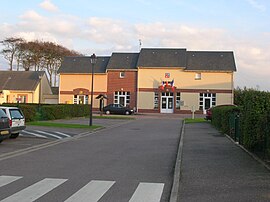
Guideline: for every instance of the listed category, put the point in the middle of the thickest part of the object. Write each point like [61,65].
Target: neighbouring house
[155,80]
[24,87]
[75,80]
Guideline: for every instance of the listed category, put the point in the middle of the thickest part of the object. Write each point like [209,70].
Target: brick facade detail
[126,84]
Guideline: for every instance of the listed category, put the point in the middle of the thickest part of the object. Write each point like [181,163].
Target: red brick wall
[127,84]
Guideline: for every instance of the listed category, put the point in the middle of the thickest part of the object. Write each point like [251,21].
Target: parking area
[38,135]
[34,136]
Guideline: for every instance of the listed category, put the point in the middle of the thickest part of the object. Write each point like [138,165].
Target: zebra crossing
[45,134]
[92,191]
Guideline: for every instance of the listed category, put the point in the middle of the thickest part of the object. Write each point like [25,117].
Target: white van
[16,120]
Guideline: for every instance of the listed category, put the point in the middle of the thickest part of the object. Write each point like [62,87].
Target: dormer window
[198,76]
[122,74]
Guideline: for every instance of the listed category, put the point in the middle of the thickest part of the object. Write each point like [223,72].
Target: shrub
[36,112]
[29,110]
[221,117]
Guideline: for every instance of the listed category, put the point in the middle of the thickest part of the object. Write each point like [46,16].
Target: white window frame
[198,76]
[125,94]
[178,100]
[203,96]
[156,100]
[122,74]
[76,99]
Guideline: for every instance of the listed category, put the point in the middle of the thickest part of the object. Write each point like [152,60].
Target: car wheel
[127,112]
[13,136]
[107,112]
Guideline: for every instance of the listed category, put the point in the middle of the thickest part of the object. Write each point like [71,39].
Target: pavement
[213,168]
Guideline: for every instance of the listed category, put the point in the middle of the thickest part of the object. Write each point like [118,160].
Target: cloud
[105,35]
[255,4]
[48,5]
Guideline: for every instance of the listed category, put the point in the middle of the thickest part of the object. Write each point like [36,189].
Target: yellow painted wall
[224,98]
[190,99]
[68,82]
[12,95]
[152,78]
[66,99]
[146,100]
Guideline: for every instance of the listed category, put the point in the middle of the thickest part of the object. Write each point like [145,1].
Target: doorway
[167,102]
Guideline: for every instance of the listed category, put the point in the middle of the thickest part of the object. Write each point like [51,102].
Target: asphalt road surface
[129,162]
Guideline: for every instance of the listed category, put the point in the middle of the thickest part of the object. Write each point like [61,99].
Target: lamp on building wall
[93,60]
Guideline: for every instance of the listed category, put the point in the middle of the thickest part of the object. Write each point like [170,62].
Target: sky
[106,26]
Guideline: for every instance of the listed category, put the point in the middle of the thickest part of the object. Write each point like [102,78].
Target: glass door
[166,103]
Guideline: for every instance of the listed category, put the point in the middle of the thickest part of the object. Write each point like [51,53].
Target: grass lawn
[61,125]
[127,117]
[196,120]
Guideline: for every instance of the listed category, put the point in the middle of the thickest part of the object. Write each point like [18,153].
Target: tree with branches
[36,56]
[10,49]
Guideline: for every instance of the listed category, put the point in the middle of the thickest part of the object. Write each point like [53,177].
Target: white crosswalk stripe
[4,180]
[93,191]
[35,191]
[43,134]
[60,133]
[35,134]
[147,192]
[49,134]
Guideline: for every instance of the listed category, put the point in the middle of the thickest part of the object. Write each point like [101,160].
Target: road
[129,162]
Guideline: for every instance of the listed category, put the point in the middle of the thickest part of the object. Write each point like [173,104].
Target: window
[198,76]
[178,100]
[122,97]
[22,99]
[80,99]
[207,100]
[156,101]
[122,74]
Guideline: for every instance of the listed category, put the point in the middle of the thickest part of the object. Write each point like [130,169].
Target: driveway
[131,161]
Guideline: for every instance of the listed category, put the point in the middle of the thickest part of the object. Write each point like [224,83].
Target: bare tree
[10,48]
[36,56]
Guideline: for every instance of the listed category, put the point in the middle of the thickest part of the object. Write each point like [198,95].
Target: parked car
[4,126]
[16,120]
[209,111]
[117,109]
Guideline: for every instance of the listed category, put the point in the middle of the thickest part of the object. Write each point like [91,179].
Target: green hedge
[255,105]
[254,110]
[29,110]
[221,117]
[36,112]
[61,111]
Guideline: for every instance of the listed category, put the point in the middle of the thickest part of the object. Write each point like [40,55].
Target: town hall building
[156,80]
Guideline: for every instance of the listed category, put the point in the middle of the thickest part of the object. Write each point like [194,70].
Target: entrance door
[166,103]
[122,100]
[81,99]
[206,104]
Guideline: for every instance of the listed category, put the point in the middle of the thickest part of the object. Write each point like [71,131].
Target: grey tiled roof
[19,80]
[123,61]
[210,61]
[82,64]
[162,57]
[154,57]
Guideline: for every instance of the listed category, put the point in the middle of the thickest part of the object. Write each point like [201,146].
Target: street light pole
[93,60]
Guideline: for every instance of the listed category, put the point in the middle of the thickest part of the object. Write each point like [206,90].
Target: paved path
[215,169]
